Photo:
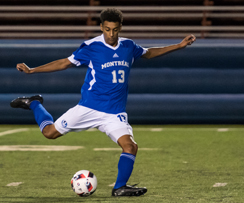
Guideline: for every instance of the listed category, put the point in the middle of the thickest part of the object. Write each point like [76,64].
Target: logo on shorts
[64,123]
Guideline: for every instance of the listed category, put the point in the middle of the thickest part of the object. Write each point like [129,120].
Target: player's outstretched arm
[158,51]
[57,65]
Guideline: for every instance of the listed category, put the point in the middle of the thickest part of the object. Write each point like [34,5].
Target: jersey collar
[109,46]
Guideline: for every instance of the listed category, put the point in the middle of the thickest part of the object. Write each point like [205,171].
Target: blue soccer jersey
[105,87]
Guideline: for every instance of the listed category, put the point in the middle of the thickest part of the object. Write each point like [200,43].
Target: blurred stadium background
[200,84]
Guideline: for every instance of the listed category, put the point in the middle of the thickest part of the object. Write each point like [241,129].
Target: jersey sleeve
[80,56]
[138,51]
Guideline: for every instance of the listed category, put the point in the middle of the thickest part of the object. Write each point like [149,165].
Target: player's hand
[188,40]
[22,67]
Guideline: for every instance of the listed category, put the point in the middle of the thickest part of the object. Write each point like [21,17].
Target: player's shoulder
[93,40]
[87,44]
[126,41]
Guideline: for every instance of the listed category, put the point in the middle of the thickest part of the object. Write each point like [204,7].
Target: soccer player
[104,92]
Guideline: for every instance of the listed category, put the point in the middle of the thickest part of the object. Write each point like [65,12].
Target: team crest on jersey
[64,123]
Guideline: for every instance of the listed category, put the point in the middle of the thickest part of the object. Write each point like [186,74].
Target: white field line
[13,131]
[112,185]
[14,184]
[223,130]
[148,149]
[38,148]
[92,130]
[147,129]
[156,129]
[219,184]
[107,149]
[119,149]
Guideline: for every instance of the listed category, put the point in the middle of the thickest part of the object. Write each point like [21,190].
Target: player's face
[111,32]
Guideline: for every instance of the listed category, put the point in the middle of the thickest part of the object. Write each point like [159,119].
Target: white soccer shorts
[81,118]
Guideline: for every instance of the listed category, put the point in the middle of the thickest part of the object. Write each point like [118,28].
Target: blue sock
[43,118]
[125,167]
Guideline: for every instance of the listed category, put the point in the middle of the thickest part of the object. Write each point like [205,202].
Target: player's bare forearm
[57,65]
[158,51]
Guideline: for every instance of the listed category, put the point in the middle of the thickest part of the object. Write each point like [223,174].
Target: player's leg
[125,168]
[76,119]
[119,130]
[126,161]
[43,118]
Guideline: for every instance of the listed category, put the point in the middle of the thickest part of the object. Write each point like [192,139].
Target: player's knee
[48,135]
[128,144]
[130,148]
[49,132]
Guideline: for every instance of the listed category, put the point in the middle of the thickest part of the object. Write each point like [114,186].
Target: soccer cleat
[128,190]
[24,102]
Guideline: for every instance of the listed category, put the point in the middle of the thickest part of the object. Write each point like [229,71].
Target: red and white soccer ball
[84,183]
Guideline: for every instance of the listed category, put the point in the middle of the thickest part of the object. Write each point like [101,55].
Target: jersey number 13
[120,77]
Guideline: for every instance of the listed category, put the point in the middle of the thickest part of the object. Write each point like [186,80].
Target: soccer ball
[84,183]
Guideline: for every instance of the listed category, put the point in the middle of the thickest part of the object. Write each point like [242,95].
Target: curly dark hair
[111,15]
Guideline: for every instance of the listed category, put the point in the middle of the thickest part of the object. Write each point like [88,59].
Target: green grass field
[175,163]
